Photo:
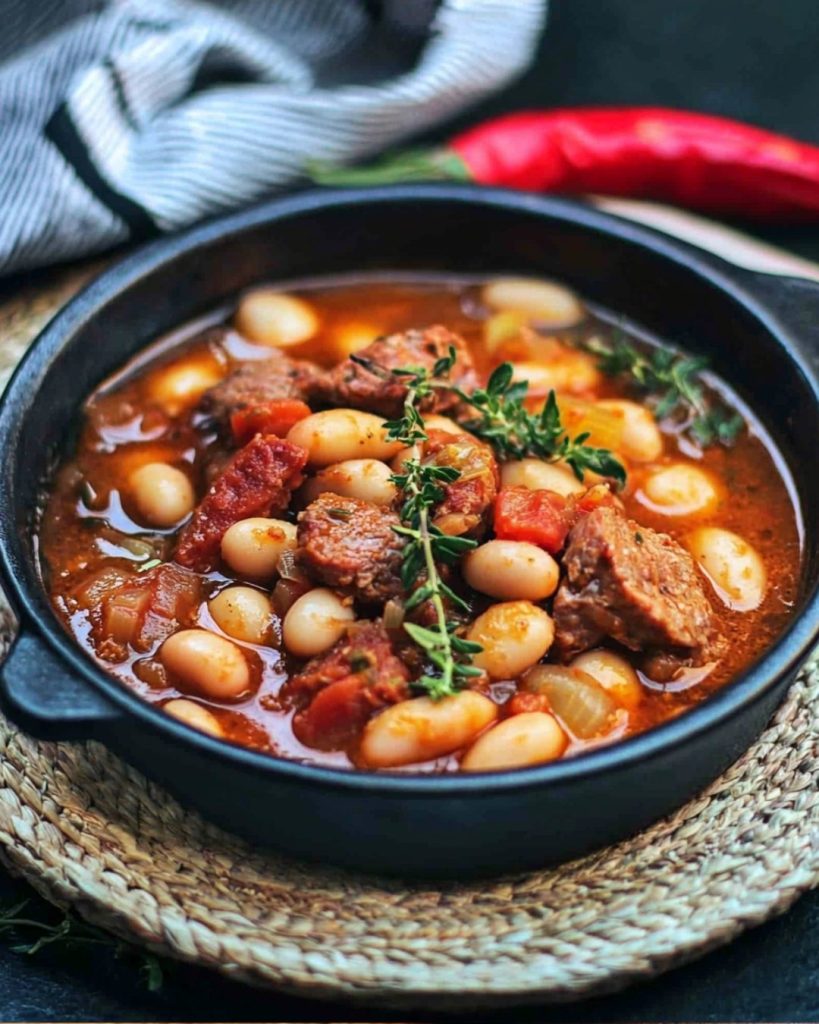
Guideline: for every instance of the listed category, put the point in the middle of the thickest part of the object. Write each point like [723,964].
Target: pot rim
[778,662]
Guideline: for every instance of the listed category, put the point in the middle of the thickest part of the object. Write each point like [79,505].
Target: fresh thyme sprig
[514,432]
[503,421]
[422,487]
[70,931]
[672,384]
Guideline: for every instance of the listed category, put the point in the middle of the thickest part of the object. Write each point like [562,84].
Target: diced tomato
[540,517]
[596,497]
[274,417]
[257,481]
[336,715]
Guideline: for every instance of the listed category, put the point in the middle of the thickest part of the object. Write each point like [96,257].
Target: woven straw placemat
[91,833]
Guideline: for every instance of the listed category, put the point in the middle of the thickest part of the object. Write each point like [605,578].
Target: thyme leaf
[72,932]
[673,386]
[514,432]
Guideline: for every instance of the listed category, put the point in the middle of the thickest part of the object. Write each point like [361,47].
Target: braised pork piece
[426,525]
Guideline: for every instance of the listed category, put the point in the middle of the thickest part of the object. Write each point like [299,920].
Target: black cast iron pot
[762,334]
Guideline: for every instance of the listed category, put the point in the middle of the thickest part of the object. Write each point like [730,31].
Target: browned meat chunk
[632,584]
[351,385]
[257,481]
[366,651]
[351,545]
[355,678]
[255,384]
[467,500]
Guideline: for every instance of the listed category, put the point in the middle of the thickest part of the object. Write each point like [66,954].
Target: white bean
[613,673]
[315,621]
[243,613]
[732,565]
[274,318]
[180,386]
[206,663]
[538,475]
[530,738]
[680,490]
[435,422]
[642,440]
[162,493]
[423,729]
[193,714]
[548,303]
[514,636]
[365,479]
[252,547]
[337,435]
[574,373]
[511,570]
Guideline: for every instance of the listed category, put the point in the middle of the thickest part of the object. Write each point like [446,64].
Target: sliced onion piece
[605,427]
[288,568]
[578,700]
[286,593]
[393,613]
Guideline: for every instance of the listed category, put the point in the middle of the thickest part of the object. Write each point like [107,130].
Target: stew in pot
[420,523]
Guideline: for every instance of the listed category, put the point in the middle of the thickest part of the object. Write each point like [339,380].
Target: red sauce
[90,526]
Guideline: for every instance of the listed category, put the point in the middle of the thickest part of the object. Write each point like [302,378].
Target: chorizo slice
[257,481]
[351,545]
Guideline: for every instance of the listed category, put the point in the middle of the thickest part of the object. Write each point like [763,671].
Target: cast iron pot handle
[40,695]
[795,302]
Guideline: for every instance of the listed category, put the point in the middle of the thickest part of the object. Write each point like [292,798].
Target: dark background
[757,60]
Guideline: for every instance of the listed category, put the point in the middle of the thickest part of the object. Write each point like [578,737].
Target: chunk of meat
[353,385]
[144,610]
[468,499]
[257,481]
[351,545]
[255,384]
[356,677]
[365,650]
[632,584]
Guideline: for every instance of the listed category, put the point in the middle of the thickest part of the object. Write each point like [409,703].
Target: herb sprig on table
[672,384]
[71,932]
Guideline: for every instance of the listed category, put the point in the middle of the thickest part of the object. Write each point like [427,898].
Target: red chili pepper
[694,160]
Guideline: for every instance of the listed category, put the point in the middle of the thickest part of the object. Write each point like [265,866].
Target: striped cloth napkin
[123,119]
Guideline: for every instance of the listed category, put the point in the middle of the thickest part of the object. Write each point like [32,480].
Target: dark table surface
[742,58]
